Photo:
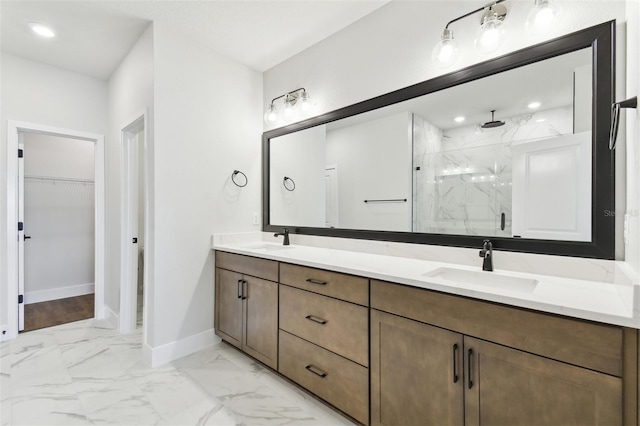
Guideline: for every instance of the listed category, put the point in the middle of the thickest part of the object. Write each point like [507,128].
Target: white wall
[130,94]
[301,157]
[208,117]
[37,93]
[391,48]
[632,249]
[374,162]
[59,217]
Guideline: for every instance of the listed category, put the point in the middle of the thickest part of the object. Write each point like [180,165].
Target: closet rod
[57,179]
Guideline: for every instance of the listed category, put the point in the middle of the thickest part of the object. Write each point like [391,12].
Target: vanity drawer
[339,326]
[583,343]
[333,378]
[334,284]
[254,266]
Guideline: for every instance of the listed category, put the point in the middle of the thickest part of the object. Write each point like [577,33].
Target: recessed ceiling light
[534,105]
[541,120]
[42,30]
[459,119]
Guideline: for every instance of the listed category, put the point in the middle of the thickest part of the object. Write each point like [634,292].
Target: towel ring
[233,178]
[289,187]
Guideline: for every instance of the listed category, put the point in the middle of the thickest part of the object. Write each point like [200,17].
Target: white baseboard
[110,321]
[58,293]
[165,354]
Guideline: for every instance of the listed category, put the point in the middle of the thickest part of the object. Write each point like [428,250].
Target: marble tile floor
[78,374]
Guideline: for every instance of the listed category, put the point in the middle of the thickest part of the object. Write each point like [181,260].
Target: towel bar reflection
[391,200]
[288,183]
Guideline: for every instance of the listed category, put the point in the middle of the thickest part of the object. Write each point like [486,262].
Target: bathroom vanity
[390,340]
[393,340]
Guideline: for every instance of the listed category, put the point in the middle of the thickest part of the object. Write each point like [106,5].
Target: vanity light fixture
[42,30]
[489,37]
[294,101]
[542,17]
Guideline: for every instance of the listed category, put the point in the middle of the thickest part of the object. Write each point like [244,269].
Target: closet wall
[59,216]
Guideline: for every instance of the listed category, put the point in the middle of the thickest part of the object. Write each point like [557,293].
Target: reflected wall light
[295,102]
[489,37]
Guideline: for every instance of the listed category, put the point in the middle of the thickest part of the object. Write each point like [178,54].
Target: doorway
[14,303]
[132,275]
[56,177]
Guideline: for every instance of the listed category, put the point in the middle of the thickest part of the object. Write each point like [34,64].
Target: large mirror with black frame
[513,149]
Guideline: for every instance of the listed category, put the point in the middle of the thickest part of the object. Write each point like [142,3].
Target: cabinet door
[416,373]
[228,306]
[510,387]
[261,320]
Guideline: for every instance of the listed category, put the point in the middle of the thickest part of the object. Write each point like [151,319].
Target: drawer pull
[470,361]
[316,319]
[455,363]
[312,281]
[316,371]
[239,289]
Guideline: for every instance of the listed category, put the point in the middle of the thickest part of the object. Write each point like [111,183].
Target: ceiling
[93,36]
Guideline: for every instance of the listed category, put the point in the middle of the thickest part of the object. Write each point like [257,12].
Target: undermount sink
[269,247]
[483,279]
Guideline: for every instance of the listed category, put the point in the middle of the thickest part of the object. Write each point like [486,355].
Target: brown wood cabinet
[416,373]
[246,310]
[424,374]
[324,339]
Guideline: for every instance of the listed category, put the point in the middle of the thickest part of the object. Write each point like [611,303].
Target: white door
[331,196]
[132,139]
[552,188]
[21,232]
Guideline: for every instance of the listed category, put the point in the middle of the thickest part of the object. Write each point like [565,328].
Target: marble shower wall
[462,176]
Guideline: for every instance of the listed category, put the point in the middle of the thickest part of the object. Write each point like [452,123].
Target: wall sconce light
[542,16]
[489,37]
[294,102]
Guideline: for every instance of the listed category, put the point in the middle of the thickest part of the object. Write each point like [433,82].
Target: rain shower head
[493,123]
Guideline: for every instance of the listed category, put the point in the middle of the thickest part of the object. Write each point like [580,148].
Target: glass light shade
[289,109]
[271,115]
[490,35]
[542,17]
[445,53]
[305,103]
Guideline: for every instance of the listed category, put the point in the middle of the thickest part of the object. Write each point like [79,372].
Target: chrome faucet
[284,232]
[487,254]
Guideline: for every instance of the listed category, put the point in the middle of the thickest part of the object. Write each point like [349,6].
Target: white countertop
[615,303]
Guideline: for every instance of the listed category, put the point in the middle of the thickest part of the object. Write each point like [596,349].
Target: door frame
[128,269]
[14,128]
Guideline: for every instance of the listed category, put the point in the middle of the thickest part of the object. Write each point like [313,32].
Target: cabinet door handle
[316,371]
[455,363]
[244,289]
[312,281]
[470,360]
[239,289]
[316,319]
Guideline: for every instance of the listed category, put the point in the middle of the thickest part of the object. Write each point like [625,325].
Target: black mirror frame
[601,38]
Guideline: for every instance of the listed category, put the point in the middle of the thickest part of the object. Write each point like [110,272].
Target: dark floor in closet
[56,312]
